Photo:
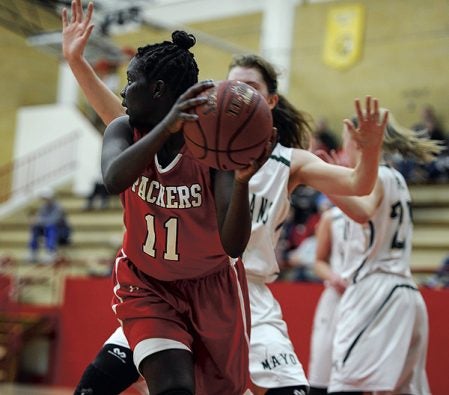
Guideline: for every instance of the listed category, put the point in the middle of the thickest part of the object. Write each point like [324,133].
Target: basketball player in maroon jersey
[107,106]
[181,300]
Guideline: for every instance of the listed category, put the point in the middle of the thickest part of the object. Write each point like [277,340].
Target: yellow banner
[344,35]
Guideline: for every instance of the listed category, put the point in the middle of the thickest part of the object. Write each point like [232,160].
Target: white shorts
[323,330]
[272,359]
[381,337]
[118,337]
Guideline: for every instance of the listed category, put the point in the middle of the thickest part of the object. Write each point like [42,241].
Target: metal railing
[40,168]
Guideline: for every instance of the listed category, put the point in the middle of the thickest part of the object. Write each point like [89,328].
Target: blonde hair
[409,143]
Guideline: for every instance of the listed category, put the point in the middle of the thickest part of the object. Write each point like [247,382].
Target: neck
[170,149]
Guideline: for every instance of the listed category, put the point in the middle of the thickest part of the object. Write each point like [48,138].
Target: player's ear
[159,89]
[272,100]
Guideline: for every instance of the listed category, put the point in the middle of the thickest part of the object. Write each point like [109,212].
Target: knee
[169,372]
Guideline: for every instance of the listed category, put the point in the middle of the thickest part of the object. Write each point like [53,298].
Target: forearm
[124,161]
[105,103]
[360,208]
[236,227]
[323,270]
[365,173]
[354,207]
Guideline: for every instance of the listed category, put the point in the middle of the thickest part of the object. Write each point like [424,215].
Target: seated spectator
[50,223]
[440,279]
[302,258]
[98,191]
[436,171]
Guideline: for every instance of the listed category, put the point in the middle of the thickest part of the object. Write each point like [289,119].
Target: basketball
[232,128]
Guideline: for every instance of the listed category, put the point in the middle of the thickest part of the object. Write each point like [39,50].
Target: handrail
[39,168]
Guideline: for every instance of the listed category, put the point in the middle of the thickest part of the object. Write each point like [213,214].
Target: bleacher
[97,234]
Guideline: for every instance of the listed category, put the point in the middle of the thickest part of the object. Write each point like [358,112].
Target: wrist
[74,60]
[240,181]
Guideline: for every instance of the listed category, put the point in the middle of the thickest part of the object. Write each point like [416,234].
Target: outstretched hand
[76,32]
[370,130]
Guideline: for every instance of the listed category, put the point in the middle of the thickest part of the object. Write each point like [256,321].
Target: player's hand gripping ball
[232,128]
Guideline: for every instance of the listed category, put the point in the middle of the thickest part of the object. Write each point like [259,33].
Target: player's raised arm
[309,169]
[76,31]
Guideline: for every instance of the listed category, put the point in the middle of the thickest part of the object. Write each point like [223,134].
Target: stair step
[437,216]
[432,237]
[428,260]
[430,195]
[79,238]
[94,221]
[86,254]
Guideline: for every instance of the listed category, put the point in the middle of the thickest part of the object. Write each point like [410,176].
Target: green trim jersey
[269,205]
[337,243]
[384,243]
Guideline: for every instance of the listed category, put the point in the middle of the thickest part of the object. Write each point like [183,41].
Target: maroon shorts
[210,316]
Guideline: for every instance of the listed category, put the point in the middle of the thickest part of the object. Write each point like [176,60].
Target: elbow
[360,218]
[364,190]
[234,255]
[234,251]
[235,247]
[111,184]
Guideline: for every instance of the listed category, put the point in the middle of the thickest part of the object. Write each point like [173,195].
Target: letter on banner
[344,34]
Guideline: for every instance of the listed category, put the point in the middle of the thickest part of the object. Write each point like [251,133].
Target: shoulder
[119,128]
[299,158]
[392,178]
[335,212]
[327,216]
[282,155]
[119,124]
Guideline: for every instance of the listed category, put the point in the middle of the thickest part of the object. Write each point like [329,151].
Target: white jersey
[384,243]
[373,350]
[269,205]
[338,223]
[325,321]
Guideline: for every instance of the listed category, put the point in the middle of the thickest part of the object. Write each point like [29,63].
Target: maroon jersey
[171,223]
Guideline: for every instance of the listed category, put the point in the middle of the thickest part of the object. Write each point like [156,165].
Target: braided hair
[171,62]
[292,124]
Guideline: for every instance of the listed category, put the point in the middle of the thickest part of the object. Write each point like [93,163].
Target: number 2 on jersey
[397,211]
[171,238]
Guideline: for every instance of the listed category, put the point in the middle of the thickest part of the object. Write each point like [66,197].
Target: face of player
[253,78]
[145,101]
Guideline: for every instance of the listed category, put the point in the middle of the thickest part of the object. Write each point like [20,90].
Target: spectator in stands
[98,191]
[437,170]
[302,258]
[440,279]
[50,223]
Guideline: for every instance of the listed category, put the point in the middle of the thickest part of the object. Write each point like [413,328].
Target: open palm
[76,32]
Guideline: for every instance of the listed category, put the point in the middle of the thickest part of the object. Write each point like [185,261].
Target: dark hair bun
[183,39]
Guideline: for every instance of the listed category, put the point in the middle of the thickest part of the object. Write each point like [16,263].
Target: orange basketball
[233,127]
